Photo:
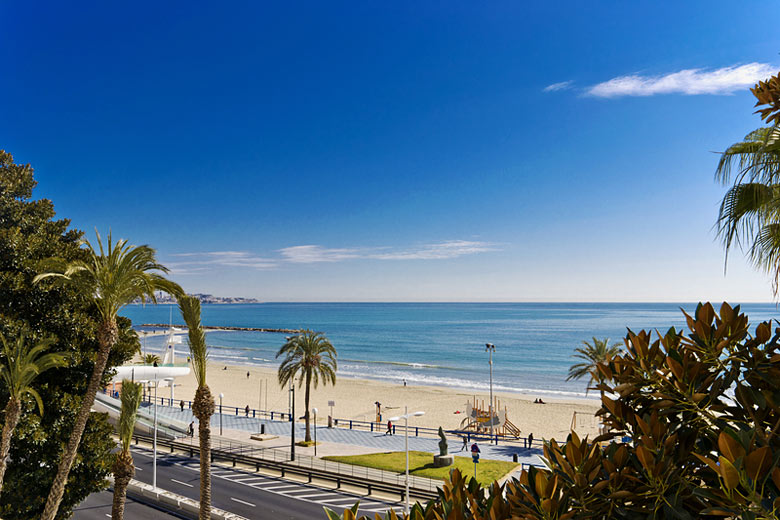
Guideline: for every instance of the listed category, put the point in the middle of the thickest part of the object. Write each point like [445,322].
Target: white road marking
[248,479]
[242,502]
[182,483]
[342,499]
[269,488]
[314,495]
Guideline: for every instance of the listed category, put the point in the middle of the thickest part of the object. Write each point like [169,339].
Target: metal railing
[354,424]
[242,453]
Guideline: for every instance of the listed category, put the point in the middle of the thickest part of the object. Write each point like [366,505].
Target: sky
[395,151]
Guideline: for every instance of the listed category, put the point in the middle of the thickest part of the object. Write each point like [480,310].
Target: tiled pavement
[356,437]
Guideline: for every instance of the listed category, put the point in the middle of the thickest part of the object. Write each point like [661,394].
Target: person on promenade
[191,429]
[181,405]
[389,428]
[246,410]
[465,443]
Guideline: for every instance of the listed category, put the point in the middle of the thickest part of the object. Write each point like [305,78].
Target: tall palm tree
[112,277]
[592,355]
[203,404]
[22,362]
[311,354]
[123,468]
[749,215]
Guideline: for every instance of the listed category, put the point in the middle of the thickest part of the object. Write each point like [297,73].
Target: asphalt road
[98,507]
[249,494]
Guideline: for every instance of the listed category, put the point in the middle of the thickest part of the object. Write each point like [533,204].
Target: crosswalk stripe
[315,495]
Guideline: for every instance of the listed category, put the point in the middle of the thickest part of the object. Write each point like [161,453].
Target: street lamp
[221,395]
[292,419]
[405,417]
[315,430]
[489,347]
[154,459]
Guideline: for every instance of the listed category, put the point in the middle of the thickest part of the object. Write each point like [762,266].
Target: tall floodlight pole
[221,395]
[490,348]
[154,442]
[405,417]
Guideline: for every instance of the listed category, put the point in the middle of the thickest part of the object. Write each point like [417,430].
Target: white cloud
[689,81]
[220,258]
[311,254]
[438,251]
[563,85]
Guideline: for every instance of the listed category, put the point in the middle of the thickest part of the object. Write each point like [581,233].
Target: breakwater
[244,329]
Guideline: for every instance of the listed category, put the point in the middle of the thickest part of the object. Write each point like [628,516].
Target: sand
[354,399]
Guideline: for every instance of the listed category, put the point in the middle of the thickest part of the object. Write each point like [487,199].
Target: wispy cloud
[438,251]
[201,262]
[688,81]
[563,85]
[310,254]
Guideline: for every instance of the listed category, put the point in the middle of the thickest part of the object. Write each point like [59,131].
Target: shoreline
[257,387]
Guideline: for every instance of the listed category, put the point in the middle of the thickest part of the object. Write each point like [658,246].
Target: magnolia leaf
[729,447]
[728,473]
[758,462]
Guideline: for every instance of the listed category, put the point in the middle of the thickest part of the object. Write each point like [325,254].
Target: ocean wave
[398,363]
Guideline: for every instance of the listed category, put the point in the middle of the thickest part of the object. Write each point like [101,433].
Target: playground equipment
[478,419]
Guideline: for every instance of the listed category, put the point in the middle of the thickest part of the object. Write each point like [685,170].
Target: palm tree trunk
[306,400]
[123,471]
[203,408]
[107,338]
[12,412]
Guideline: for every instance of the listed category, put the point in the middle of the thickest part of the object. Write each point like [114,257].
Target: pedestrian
[404,382]
[389,428]
[530,440]
[247,374]
[191,429]
[181,405]
[246,410]
[465,443]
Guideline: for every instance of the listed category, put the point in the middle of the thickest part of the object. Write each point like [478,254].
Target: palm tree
[203,404]
[123,468]
[112,277]
[151,359]
[599,352]
[749,215]
[314,356]
[22,362]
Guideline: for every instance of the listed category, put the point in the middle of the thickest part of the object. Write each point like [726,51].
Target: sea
[440,344]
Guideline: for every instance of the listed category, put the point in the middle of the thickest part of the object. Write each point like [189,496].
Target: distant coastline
[204,298]
[211,327]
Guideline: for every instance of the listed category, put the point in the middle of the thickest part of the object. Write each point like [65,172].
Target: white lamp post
[154,442]
[315,430]
[489,347]
[221,395]
[405,417]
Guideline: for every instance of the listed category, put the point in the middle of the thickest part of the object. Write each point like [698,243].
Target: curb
[167,500]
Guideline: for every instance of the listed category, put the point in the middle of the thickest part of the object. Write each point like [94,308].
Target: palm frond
[130,399]
[196,337]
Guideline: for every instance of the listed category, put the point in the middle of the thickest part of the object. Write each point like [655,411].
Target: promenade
[343,440]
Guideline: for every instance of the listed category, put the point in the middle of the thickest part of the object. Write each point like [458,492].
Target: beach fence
[354,424]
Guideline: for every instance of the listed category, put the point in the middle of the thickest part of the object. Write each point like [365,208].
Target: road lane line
[242,502]
[182,483]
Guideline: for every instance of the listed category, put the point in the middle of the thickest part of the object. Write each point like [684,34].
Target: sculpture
[442,443]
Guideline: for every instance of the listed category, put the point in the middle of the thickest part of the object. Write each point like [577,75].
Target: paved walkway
[375,440]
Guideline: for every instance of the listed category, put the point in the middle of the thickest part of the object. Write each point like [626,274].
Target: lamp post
[489,347]
[221,395]
[315,430]
[154,442]
[405,417]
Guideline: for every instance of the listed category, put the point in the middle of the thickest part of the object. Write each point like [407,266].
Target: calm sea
[437,343]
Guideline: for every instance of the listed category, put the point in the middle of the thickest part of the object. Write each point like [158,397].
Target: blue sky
[413,151]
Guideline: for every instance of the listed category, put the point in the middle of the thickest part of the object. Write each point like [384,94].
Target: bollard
[262,429]
[350,424]
[514,457]
[272,416]
[372,426]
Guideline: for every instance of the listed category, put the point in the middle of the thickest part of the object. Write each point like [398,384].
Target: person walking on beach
[389,428]
[247,374]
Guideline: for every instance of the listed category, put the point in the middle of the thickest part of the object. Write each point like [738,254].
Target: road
[249,494]
[98,507]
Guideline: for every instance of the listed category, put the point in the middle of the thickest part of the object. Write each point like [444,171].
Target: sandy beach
[354,399]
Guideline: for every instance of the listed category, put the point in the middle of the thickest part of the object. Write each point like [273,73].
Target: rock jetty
[245,329]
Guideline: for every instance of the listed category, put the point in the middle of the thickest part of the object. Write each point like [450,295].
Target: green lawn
[421,464]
